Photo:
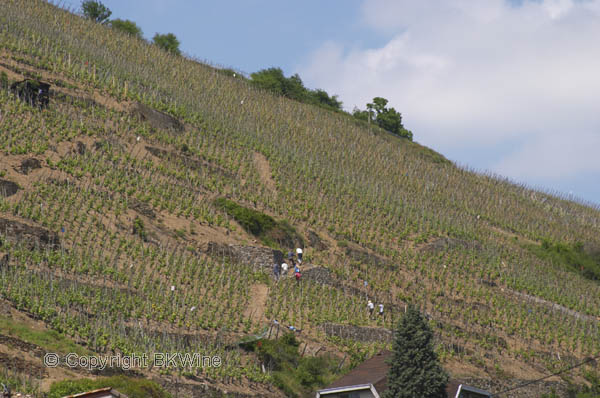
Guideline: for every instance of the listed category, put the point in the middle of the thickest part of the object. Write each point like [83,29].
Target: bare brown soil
[264,170]
[258,300]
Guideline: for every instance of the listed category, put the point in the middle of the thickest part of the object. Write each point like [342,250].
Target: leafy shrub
[270,231]
[167,42]
[273,79]
[571,256]
[138,227]
[279,354]
[132,387]
[586,391]
[293,374]
[3,80]
[96,11]
[387,118]
[310,372]
[127,26]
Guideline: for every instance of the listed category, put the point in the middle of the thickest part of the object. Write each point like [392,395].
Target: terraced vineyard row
[123,200]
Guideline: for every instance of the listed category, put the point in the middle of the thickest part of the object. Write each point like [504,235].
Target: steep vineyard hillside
[142,210]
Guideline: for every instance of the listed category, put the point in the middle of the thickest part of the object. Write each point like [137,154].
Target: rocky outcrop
[27,165]
[34,92]
[252,255]
[8,188]
[320,275]
[189,161]
[156,119]
[358,333]
[29,235]
[315,241]
[534,390]
[142,208]
[364,256]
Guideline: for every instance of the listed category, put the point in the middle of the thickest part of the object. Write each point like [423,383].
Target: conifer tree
[414,367]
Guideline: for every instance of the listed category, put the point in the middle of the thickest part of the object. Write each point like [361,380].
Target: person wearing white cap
[299,254]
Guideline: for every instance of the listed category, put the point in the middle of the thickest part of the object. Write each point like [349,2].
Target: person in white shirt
[284,269]
[380,309]
[299,254]
[370,306]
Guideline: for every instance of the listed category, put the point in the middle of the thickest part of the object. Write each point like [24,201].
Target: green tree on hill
[322,98]
[414,367]
[167,42]
[387,118]
[127,26]
[95,10]
[273,79]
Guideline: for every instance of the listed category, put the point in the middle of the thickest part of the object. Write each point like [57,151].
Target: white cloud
[482,73]
[567,155]
[557,8]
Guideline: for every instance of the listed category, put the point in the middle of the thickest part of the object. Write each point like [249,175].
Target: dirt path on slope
[258,300]
[264,170]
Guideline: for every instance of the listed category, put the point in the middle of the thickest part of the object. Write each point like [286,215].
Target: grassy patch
[50,340]
[585,391]
[18,382]
[571,256]
[270,231]
[132,387]
[295,375]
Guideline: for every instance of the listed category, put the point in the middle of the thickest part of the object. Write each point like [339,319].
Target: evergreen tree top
[414,367]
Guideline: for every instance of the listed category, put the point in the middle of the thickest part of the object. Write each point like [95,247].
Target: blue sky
[511,87]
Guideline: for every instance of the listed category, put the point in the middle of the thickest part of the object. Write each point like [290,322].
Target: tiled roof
[372,371]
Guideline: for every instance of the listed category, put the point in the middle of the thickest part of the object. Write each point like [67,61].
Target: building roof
[107,392]
[373,371]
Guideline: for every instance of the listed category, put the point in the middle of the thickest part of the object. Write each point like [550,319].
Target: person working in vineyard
[299,255]
[284,269]
[277,271]
[6,391]
[381,310]
[370,307]
[298,274]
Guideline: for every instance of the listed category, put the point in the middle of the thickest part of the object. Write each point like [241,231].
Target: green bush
[3,80]
[387,118]
[310,371]
[167,42]
[127,26]
[294,375]
[132,387]
[252,221]
[138,227]
[571,256]
[271,232]
[586,391]
[279,354]
[95,10]
[273,80]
